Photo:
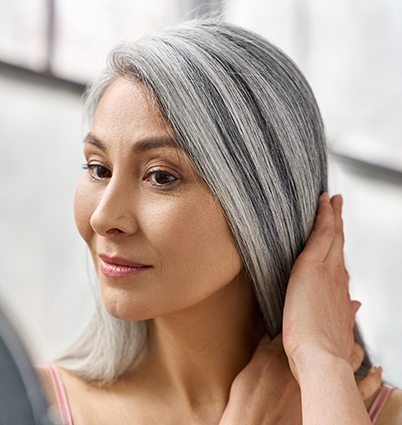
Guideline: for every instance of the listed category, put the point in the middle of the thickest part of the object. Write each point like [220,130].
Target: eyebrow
[140,146]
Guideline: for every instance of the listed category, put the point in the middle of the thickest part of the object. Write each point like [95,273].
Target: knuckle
[359,352]
[362,391]
[328,231]
[354,361]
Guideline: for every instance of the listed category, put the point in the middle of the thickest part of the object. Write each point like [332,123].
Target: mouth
[120,267]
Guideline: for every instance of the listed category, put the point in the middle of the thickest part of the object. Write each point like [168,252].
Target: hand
[319,315]
[266,393]
[372,381]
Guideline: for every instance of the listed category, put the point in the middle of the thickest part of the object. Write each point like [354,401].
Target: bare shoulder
[80,396]
[116,403]
[76,391]
[47,383]
[391,414]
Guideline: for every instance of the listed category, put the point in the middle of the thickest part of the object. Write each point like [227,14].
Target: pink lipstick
[120,267]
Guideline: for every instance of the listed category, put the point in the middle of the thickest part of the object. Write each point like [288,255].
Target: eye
[98,171]
[160,178]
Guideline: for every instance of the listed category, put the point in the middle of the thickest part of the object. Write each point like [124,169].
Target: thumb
[355,306]
[269,345]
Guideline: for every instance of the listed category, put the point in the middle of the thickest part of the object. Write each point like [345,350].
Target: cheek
[196,244]
[84,205]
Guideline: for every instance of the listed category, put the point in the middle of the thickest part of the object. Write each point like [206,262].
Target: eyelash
[91,167]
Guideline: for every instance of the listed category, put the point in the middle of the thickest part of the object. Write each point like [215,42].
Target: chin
[124,306]
[121,312]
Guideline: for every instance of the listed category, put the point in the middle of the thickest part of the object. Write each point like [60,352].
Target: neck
[197,353]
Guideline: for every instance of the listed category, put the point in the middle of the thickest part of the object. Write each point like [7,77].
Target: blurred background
[351,53]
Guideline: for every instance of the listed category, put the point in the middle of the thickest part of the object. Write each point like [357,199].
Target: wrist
[307,363]
[329,391]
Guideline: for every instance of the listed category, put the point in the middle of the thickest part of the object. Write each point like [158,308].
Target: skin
[203,363]
[131,215]
[195,293]
[318,324]
[314,344]
[270,364]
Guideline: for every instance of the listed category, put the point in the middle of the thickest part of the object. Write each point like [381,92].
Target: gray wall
[42,259]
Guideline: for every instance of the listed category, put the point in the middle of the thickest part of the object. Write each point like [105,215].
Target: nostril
[111,218]
[114,230]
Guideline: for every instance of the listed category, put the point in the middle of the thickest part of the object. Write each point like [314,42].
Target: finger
[265,340]
[355,306]
[270,344]
[351,344]
[268,348]
[370,383]
[356,358]
[335,252]
[321,237]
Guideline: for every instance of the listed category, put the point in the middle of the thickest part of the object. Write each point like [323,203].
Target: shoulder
[391,414]
[62,386]
[47,383]
[86,402]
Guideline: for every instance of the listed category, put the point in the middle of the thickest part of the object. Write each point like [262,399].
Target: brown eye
[97,171]
[101,172]
[161,178]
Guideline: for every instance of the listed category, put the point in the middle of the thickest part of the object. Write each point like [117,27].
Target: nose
[114,214]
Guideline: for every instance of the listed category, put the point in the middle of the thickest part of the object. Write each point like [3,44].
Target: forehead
[127,109]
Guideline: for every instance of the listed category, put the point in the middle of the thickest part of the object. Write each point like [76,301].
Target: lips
[120,267]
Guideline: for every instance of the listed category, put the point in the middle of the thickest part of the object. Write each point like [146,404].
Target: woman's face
[158,238]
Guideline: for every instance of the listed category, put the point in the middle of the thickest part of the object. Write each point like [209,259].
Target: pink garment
[379,403]
[61,396]
[65,413]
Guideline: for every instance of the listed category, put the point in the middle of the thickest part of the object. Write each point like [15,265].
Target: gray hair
[246,116]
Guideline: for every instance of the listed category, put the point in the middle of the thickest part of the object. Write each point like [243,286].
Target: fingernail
[375,369]
[338,195]
[324,197]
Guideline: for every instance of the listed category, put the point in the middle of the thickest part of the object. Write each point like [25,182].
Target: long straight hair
[246,116]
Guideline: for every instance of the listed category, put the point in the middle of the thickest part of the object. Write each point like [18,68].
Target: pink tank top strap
[379,402]
[61,396]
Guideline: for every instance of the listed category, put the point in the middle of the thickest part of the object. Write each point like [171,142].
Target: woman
[205,160]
